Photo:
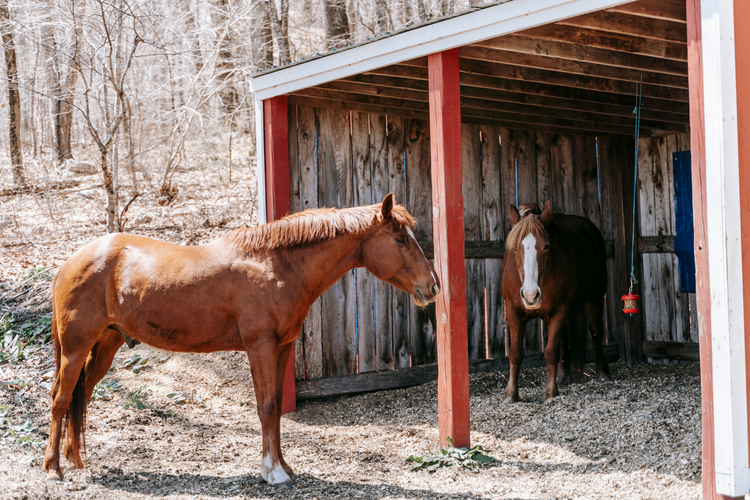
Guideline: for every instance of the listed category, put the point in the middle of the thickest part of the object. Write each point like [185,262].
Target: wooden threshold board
[407,377]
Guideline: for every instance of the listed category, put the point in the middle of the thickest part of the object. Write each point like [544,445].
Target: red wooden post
[448,228]
[703,296]
[742,68]
[276,138]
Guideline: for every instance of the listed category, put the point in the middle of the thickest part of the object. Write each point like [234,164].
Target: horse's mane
[530,223]
[315,225]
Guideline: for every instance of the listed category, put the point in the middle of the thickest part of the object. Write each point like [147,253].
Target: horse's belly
[186,334]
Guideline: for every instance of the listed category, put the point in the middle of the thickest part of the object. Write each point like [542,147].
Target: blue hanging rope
[637,112]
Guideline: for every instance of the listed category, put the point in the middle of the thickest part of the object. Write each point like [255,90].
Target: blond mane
[314,225]
[529,224]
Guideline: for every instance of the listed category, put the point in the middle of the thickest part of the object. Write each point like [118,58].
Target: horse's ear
[387,206]
[547,212]
[514,215]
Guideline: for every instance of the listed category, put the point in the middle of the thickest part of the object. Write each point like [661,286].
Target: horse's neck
[319,265]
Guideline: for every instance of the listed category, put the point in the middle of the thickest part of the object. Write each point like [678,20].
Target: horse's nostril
[538,295]
[435,289]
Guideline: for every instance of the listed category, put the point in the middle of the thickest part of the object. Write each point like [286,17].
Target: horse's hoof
[562,380]
[54,477]
[510,400]
[603,377]
[286,485]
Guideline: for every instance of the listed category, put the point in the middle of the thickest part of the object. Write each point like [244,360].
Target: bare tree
[262,37]
[14,100]
[337,24]
[280,27]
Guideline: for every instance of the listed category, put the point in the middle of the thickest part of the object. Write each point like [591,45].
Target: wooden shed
[517,102]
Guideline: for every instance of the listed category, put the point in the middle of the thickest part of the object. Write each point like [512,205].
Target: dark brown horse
[249,290]
[553,262]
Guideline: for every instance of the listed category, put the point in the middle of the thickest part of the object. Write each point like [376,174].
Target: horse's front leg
[516,329]
[552,352]
[284,355]
[263,356]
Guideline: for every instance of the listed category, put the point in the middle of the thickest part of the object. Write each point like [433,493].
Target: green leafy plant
[136,363]
[103,390]
[135,398]
[38,273]
[468,458]
[18,342]
[20,435]
[178,397]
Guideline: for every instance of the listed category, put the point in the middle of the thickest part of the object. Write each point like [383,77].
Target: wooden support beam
[656,244]
[670,10]
[448,231]
[492,249]
[484,99]
[276,128]
[610,41]
[498,53]
[505,112]
[490,87]
[671,350]
[527,76]
[572,51]
[626,24]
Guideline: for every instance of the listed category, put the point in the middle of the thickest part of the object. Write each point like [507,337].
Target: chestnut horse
[249,290]
[553,263]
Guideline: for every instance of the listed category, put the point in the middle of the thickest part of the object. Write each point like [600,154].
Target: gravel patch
[635,437]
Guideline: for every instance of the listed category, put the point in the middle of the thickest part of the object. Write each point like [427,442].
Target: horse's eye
[546,247]
[401,240]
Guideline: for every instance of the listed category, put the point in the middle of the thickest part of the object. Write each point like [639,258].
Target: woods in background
[112,79]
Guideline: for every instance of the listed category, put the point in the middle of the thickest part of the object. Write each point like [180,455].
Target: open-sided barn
[518,102]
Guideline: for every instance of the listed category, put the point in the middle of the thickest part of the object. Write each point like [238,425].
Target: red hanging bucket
[631,303]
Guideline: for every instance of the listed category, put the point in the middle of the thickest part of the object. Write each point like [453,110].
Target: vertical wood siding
[362,324]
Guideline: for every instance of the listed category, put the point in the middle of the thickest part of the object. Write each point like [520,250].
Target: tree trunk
[225,67]
[381,16]
[261,37]
[280,26]
[14,101]
[337,24]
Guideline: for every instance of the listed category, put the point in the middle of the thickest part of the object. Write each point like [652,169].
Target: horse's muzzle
[536,301]
[421,300]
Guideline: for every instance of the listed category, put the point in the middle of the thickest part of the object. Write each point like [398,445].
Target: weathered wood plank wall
[668,314]
[361,324]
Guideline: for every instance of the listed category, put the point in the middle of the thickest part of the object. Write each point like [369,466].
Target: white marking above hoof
[273,474]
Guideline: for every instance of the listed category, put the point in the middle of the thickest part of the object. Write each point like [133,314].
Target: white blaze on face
[272,474]
[530,268]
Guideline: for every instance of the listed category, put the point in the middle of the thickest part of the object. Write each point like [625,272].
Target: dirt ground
[635,437]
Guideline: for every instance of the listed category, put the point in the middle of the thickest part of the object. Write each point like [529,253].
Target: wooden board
[308,198]
[335,189]
[294,206]
[423,326]
[471,188]
[399,300]
[383,323]
[379,381]
[492,230]
[362,165]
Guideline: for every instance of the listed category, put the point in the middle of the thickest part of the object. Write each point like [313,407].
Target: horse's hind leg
[280,372]
[96,367]
[263,357]
[595,309]
[74,351]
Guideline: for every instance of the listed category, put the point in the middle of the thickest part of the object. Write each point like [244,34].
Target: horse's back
[587,246]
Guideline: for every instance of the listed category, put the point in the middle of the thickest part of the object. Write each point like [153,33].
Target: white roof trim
[453,32]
